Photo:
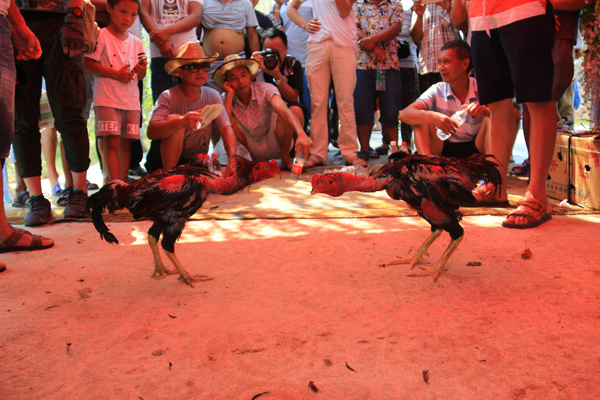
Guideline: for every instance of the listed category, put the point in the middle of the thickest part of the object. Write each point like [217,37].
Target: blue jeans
[7,88]
[390,99]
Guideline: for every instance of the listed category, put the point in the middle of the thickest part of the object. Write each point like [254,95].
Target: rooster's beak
[312,192]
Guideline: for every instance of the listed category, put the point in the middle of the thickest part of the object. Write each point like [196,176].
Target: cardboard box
[575,170]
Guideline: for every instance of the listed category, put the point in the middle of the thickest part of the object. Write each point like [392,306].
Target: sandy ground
[297,301]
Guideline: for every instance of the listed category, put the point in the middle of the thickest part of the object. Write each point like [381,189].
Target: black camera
[270,58]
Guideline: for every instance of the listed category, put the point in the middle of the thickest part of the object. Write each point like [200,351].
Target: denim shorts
[365,96]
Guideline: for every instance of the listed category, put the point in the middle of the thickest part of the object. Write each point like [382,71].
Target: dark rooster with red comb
[434,186]
[169,197]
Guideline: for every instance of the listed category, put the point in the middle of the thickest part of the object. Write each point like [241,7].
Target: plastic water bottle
[357,170]
[380,79]
[215,164]
[393,148]
[404,148]
[298,166]
[459,117]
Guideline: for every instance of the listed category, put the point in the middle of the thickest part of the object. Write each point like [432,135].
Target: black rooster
[169,197]
[434,186]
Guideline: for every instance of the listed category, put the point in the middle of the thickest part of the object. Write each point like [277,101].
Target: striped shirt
[492,14]
[440,98]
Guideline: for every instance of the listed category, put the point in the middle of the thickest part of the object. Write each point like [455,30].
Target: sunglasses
[195,67]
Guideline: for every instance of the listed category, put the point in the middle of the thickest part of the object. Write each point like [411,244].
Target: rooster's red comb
[315,179]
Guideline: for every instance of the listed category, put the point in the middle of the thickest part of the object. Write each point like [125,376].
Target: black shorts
[154,159]
[459,150]
[515,60]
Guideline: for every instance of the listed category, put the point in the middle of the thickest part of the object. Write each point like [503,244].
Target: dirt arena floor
[299,308]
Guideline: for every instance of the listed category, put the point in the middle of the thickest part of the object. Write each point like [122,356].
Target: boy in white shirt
[118,62]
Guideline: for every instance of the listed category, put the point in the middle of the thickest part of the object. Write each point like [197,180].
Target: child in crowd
[118,63]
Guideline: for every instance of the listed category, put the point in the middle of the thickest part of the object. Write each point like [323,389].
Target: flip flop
[91,186]
[22,200]
[10,243]
[56,189]
[313,161]
[537,216]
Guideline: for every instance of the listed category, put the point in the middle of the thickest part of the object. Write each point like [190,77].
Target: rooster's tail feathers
[107,198]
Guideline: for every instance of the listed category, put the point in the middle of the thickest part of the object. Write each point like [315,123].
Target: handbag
[403,49]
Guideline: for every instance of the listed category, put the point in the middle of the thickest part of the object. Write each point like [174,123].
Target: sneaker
[77,205]
[138,171]
[40,211]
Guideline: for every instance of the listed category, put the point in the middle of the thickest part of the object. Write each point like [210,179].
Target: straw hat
[233,61]
[188,53]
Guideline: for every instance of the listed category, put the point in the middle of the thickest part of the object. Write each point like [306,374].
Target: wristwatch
[75,11]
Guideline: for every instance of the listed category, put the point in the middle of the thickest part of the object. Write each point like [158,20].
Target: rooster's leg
[417,258]
[437,270]
[160,271]
[183,275]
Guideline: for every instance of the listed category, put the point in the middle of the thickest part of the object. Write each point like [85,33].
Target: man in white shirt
[332,51]
[433,109]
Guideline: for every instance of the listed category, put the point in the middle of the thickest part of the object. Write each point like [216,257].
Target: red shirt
[492,14]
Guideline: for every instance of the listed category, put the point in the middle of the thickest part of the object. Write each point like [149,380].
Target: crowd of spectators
[272,74]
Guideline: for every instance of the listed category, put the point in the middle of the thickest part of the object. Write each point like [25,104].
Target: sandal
[373,154]
[10,244]
[91,186]
[56,190]
[22,200]
[63,197]
[313,161]
[521,170]
[535,216]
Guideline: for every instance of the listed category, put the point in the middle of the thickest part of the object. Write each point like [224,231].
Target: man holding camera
[281,70]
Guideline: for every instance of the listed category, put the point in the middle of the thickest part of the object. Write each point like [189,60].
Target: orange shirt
[492,14]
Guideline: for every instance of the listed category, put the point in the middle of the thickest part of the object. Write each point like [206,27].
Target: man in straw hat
[261,120]
[185,115]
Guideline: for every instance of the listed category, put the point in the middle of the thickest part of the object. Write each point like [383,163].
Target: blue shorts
[516,61]
[390,99]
